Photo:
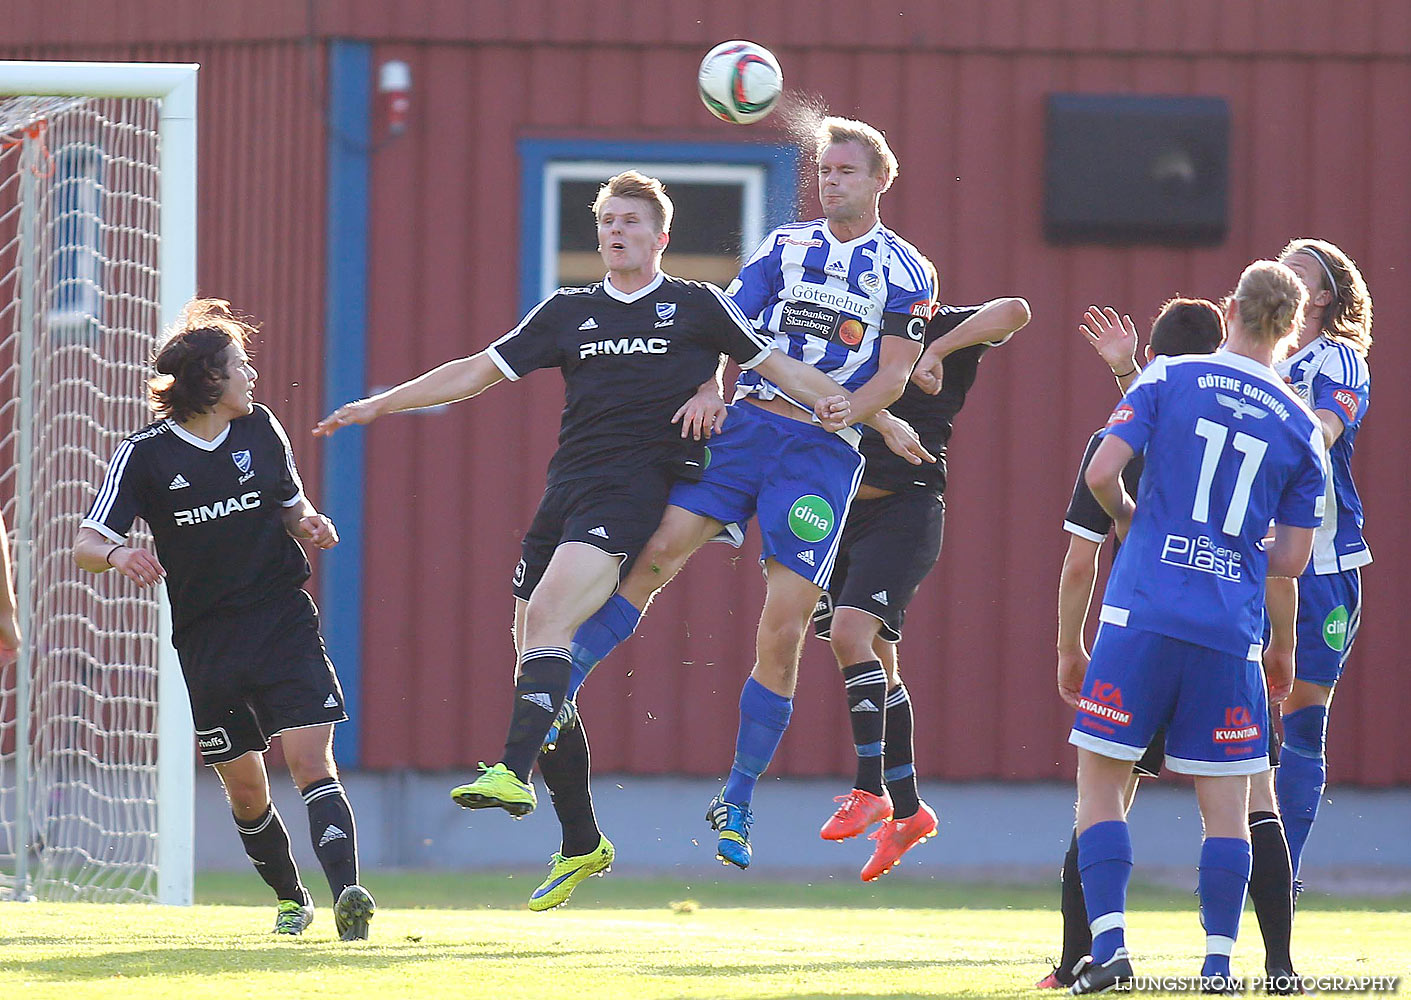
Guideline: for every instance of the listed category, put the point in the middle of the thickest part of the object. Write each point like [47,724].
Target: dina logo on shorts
[811,518]
[1335,628]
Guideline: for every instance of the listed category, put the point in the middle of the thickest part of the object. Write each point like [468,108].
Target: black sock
[1271,888]
[333,832]
[538,695]
[565,770]
[1077,935]
[866,686]
[267,845]
[898,756]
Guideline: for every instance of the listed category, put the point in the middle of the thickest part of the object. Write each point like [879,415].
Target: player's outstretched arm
[1115,340]
[97,554]
[1104,479]
[895,361]
[900,437]
[995,322]
[810,386]
[1075,594]
[448,383]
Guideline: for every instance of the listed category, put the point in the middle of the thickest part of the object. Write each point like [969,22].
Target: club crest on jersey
[1240,408]
[666,310]
[869,281]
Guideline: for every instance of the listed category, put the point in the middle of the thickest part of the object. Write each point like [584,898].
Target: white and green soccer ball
[740,82]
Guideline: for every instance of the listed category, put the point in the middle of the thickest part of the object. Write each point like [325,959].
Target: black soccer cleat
[1114,974]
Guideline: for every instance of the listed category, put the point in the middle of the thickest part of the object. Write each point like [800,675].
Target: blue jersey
[1329,375]
[829,303]
[1229,448]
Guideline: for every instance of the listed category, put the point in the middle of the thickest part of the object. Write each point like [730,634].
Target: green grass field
[457,935]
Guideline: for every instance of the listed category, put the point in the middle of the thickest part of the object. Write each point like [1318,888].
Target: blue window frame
[754,185]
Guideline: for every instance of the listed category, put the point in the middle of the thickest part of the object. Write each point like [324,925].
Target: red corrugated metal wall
[450,493]
[1318,97]
[260,220]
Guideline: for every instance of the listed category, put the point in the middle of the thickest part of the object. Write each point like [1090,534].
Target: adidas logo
[806,556]
[539,698]
[880,597]
[332,702]
[588,324]
[600,531]
[836,267]
[179,483]
[330,834]
[865,705]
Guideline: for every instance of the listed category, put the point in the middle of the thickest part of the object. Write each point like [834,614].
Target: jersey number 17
[1251,449]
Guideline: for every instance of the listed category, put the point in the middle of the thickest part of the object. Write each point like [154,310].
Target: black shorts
[254,673]
[889,544]
[1150,764]
[614,515]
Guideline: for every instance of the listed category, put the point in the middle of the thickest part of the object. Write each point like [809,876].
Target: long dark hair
[190,361]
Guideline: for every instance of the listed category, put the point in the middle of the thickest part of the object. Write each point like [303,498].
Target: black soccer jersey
[215,510]
[628,363]
[932,417]
[1085,516]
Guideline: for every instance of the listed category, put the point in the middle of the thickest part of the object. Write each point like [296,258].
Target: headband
[1317,255]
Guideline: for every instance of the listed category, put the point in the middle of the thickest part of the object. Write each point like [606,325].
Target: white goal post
[97,256]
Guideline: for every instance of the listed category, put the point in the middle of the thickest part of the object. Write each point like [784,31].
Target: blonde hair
[632,184]
[834,129]
[1349,317]
[1270,299]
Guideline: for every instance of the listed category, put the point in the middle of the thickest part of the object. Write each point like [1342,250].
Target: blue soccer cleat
[732,822]
[566,719]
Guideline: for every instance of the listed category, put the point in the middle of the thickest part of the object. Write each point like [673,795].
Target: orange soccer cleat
[895,837]
[858,811]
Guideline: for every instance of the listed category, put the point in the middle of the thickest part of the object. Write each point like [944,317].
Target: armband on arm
[895,324]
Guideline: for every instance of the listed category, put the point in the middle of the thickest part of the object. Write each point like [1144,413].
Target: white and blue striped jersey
[1329,375]
[1229,448]
[829,303]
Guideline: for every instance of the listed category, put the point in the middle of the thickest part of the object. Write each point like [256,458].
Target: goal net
[87,810]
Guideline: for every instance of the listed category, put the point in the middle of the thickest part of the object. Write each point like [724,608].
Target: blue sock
[1105,863]
[1224,876]
[764,716]
[600,635]
[1302,775]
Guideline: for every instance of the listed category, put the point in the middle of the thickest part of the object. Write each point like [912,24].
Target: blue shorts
[1213,704]
[1329,613]
[797,478]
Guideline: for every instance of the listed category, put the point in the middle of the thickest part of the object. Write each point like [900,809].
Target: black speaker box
[1136,169]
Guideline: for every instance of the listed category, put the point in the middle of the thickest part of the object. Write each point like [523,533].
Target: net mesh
[79,313]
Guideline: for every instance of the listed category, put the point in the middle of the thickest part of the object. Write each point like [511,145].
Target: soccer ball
[740,82]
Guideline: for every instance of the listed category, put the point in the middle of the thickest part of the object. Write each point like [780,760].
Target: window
[726,198]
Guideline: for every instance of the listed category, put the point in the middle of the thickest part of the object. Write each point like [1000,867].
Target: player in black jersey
[638,352]
[1183,326]
[891,541]
[215,480]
